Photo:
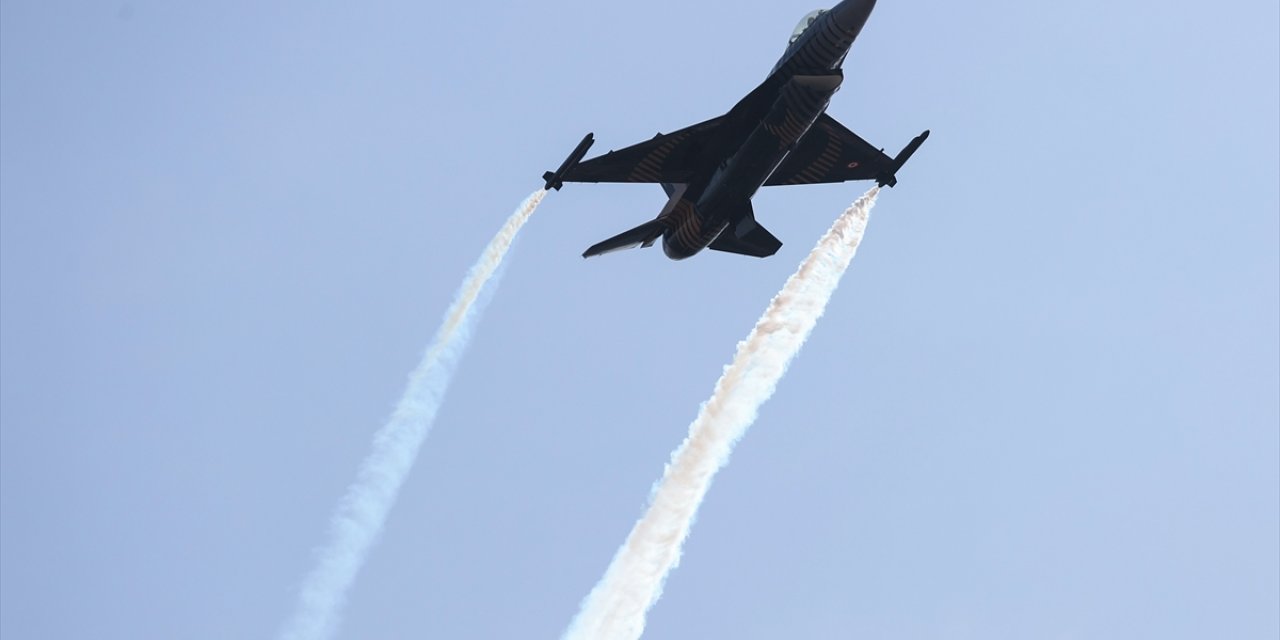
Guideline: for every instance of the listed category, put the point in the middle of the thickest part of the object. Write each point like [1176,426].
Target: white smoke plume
[359,517]
[616,607]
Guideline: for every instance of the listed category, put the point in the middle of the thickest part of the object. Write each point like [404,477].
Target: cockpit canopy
[804,24]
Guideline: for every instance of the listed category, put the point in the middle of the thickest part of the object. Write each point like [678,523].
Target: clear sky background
[1043,404]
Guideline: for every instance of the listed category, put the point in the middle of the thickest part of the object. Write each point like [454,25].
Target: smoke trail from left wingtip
[616,608]
[358,520]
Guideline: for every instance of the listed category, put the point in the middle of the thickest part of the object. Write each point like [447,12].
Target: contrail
[360,515]
[616,607]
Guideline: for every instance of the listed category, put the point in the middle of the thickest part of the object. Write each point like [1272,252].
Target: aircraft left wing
[830,152]
[670,158]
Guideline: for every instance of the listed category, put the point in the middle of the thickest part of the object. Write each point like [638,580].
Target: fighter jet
[779,134]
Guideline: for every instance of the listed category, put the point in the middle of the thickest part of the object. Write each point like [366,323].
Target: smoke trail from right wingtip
[617,606]
[358,520]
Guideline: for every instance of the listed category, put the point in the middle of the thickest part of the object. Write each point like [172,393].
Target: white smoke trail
[360,515]
[616,607]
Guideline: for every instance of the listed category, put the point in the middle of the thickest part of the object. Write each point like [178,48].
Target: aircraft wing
[668,158]
[829,152]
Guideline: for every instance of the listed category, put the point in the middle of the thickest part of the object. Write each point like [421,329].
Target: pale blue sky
[1043,404]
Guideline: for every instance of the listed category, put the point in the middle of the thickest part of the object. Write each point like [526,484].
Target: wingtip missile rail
[890,177]
[555,179]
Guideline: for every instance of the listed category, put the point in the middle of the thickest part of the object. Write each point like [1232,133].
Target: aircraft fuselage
[763,128]
[779,134]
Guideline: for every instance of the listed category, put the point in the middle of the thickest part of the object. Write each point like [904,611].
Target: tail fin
[642,236]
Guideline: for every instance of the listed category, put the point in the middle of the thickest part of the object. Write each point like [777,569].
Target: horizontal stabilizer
[747,237]
[642,236]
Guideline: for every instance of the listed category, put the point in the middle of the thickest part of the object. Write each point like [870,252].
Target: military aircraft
[779,134]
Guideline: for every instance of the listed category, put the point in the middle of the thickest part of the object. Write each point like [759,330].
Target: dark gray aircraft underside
[779,134]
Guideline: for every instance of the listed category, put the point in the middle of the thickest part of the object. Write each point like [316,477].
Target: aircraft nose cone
[852,14]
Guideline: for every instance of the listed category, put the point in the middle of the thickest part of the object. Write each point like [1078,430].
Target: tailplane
[642,236]
[745,236]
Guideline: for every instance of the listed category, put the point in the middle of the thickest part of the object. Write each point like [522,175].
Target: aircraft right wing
[830,152]
[667,158]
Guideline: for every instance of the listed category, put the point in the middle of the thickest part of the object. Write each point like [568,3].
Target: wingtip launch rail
[890,177]
[555,179]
